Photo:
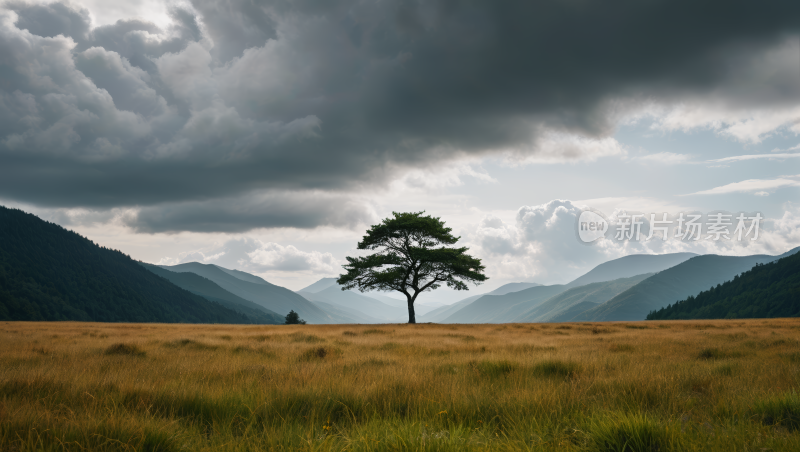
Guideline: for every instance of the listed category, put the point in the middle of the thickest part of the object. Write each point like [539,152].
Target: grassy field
[654,386]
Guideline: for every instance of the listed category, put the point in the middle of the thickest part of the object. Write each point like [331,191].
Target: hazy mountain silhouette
[503,308]
[673,284]
[519,302]
[568,304]
[209,290]
[275,298]
[627,266]
[322,284]
[325,291]
[50,273]
[359,303]
[768,290]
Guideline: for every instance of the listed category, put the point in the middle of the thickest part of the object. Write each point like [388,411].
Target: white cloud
[260,257]
[738,158]
[751,185]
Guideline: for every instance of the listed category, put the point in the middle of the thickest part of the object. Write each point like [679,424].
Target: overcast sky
[267,136]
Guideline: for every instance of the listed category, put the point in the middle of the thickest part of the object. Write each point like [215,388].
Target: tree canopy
[412,257]
[293,318]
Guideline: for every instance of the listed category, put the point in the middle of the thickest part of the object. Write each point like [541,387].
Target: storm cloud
[238,110]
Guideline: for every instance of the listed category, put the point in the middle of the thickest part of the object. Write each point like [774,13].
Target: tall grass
[724,385]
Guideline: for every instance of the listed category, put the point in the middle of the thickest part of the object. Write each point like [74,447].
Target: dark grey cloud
[271,210]
[243,97]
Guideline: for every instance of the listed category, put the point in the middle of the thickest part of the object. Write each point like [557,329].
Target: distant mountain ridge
[211,291]
[275,298]
[687,278]
[631,265]
[764,291]
[50,273]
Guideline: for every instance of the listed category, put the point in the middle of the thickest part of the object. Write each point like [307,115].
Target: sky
[268,136]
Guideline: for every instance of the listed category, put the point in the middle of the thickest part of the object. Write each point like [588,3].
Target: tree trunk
[412,318]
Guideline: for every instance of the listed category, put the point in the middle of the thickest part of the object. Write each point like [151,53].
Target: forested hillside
[767,290]
[50,273]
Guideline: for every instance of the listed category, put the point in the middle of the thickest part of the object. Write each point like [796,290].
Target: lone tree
[293,318]
[412,258]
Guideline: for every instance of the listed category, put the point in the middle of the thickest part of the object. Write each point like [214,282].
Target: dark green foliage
[412,258]
[50,273]
[630,432]
[767,290]
[556,368]
[783,410]
[293,318]
[124,349]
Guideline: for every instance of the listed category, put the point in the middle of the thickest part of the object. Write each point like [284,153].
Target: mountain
[437,314]
[673,284]
[512,287]
[314,292]
[322,284]
[503,308]
[244,276]
[359,303]
[627,266]
[207,289]
[342,314]
[443,312]
[50,273]
[275,298]
[567,305]
[766,290]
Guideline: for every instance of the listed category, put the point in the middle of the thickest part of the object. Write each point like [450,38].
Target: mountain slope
[443,312]
[50,273]
[345,315]
[504,308]
[673,284]
[275,298]
[322,284]
[627,266]
[769,290]
[512,287]
[244,276]
[562,307]
[359,303]
[207,289]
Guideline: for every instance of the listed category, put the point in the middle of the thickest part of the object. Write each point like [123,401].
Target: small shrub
[293,318]
[494,368]
[349,333]
[783,410]
[374,331]
[189,343]
[307,338]
[124,349]
[629,433]
[315,354]
[390,346]
[556,368]
[563,327]
[711,353]
[636,327]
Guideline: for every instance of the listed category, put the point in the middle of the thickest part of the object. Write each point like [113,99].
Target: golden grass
[681,385]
